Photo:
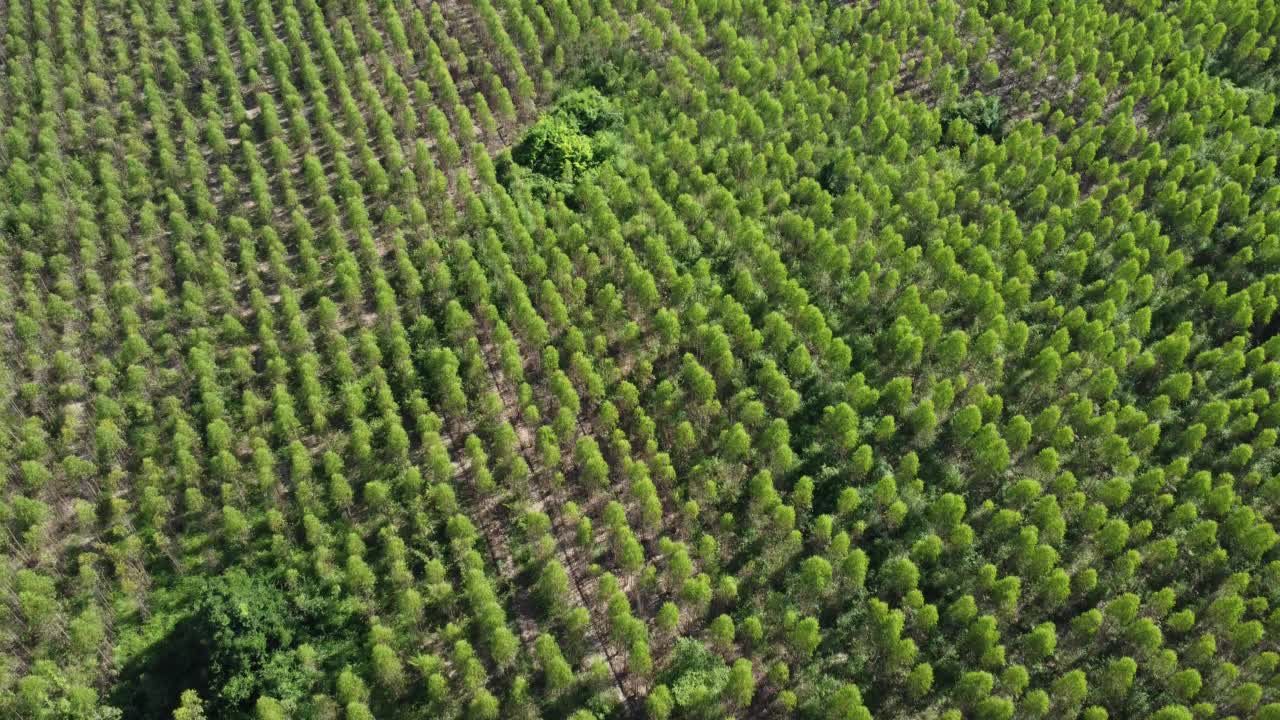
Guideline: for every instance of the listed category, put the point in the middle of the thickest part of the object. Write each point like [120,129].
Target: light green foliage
[697,359]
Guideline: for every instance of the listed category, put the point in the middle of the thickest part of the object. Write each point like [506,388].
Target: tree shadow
[149,686]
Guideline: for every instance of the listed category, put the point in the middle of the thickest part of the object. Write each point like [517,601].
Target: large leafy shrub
[238,639]
[983,112]
[591,111]
[555,148]
[247,629]
[566,143]
[697,676]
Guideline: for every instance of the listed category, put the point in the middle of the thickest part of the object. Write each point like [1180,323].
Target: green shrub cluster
[983,113]
[567,142]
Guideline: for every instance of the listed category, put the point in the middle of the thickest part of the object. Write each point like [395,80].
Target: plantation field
[613,359]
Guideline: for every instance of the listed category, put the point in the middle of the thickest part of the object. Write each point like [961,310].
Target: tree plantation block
[621,359]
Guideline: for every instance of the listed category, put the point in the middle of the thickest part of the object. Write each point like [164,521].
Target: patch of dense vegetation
[239,639]
[605,359]
[566,143]
[983,115]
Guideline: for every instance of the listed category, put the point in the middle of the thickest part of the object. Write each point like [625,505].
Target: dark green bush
[567,142]
[237,641]
[555,148]
[983,112]
[247,630]
[589,110]
[696,676]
